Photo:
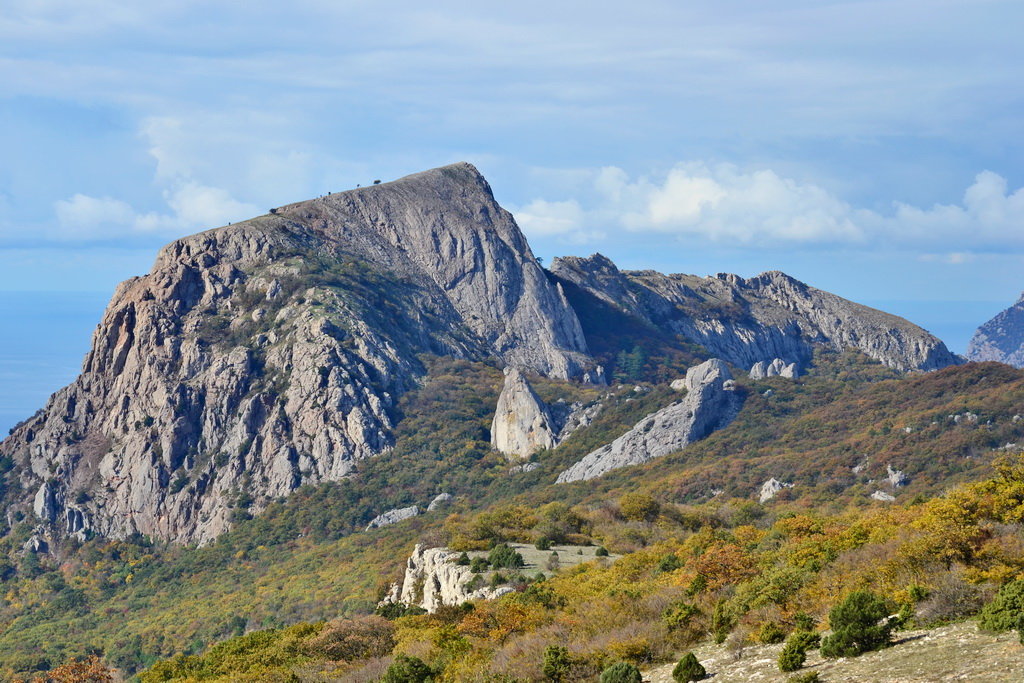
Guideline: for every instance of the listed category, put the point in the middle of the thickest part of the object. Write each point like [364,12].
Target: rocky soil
[958,652]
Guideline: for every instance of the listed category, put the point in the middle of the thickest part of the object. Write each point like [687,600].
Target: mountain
[1001,338]
[270,354]
[265,355]
[752,320]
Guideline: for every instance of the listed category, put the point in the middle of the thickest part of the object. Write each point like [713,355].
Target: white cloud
[82,215]
[720,203]
[191,205]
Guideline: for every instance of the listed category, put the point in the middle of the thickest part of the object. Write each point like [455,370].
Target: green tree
[639,507]
[859,624]
[793,656]
[688,669]
[502,555]
[621,672]
[406,669]
[1006,608]
[557,663]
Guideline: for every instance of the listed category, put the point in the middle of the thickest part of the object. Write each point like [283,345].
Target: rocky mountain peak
[1001,338]
[264,355]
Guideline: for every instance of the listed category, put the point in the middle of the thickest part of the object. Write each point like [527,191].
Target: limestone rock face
[432,579]
[1001,338]
[269,354]
[392,517]
[771,488]
[522,423]
[748,320]
[711,403]
[776,368]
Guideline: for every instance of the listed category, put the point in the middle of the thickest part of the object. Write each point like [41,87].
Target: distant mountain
[1001,338]
[269,354]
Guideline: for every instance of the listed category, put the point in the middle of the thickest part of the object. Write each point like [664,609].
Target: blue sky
[872,148]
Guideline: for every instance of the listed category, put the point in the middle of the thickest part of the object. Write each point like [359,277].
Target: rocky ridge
[711,402]
[262,356]
[265,355]
[747,320]
[1001,338]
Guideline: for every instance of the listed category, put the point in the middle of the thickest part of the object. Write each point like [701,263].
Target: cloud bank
[723,204]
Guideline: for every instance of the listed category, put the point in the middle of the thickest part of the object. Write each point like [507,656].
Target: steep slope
[261,356]
[1001,338]
[747,321]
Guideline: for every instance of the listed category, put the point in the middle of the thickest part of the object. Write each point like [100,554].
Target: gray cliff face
[711,403]
[747,321]
[1001,338]
[258,357]
[522,423]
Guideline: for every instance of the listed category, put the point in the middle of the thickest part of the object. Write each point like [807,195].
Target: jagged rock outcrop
[522,423]
[746,320]
[1001,338]
[392,517]
[883,496]
[432,579]
[771,488]
[711,403]
[896,477]
[776,368]
[269,354]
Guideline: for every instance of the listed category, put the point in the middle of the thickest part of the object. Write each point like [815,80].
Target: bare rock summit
[269,354]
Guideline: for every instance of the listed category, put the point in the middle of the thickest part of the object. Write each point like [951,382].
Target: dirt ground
[958,652]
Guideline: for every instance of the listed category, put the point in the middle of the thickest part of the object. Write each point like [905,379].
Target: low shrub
[688,669]
[621,672]
[1006,608]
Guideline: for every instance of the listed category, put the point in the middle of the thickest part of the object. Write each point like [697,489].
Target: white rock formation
[440,501]
[896,477]
[711,403]
[883,496]
[522,423]
[776,368]
[771,488]
[392,516]
[433,579]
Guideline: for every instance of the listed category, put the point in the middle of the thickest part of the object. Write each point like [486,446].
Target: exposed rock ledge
[711,403]
[432,579]
[392,516]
